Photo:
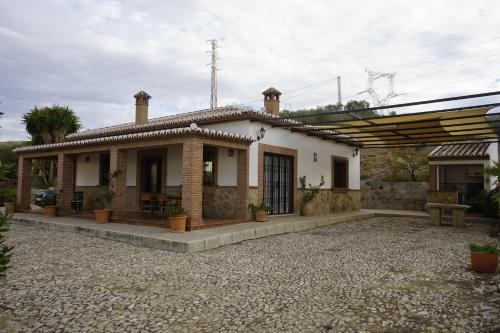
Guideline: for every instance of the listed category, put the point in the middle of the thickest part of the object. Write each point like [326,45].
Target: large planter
[102,215]
[49,211]
[308,209]
[10,207]
[178,223]
[261,215]
[484,262]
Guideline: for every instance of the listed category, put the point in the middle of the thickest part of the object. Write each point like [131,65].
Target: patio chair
[162,202]
[147,201]
[77,201]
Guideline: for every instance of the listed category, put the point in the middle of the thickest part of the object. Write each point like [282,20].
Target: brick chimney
[141,107]
[272,100]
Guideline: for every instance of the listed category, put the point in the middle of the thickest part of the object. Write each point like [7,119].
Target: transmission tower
[339,90]
[213,76]
[377,99]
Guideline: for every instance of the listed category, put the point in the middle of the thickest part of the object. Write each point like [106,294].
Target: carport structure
[458,125]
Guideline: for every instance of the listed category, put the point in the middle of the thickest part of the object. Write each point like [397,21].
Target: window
[340,173]
[209,165]
[104,169]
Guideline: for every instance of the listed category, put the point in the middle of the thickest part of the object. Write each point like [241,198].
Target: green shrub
[5,251]
[173,211]
[313,190]
[488,248]
[262,206]
[48,200]
[7,195]
[102,199]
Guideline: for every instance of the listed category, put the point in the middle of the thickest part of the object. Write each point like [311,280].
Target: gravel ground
[368,276]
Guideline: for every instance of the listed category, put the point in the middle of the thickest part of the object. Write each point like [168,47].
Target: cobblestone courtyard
[374,275]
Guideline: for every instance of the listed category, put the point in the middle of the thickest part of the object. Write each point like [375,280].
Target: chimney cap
[271,91]
[142,94]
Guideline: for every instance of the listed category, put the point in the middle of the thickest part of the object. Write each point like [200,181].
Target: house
[457,171]
[214,162]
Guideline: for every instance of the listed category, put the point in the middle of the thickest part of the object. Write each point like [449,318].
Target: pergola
[458,125]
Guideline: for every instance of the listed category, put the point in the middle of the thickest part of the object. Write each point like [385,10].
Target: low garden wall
[394,195]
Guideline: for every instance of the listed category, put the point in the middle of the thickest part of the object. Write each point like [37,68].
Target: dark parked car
[39,197]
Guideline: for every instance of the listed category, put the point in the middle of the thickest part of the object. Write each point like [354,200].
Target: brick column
[192,181]
[118,184]
[432,177]
[242,211]
[24,183]
[65,181]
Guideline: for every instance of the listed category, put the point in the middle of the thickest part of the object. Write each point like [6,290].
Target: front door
[152,174]
[278,183]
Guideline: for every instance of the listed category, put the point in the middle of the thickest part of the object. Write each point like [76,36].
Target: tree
[318,114]
[408,164]
[50,125]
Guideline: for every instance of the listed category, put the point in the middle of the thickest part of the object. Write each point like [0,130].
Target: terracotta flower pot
[178,223]
[484,262]
[261,215]
[10,207]
[308,209]
[49,211]
[102,215]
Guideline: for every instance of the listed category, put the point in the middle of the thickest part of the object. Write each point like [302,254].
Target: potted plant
[49,205]
[260,211]
[9,201]
[308,195]
[484,258]
[177,218]
[101,201]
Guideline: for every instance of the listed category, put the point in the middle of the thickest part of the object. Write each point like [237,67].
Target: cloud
[95,55]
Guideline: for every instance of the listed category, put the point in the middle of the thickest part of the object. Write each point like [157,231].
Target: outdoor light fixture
[355,151]
[261,133]
[315,157]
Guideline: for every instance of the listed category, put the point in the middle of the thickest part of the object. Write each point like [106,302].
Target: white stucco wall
[226,168]
[87,173]
[174,165]
[305,145]
[493,153]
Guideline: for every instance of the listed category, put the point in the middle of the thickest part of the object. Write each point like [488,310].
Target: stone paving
[376,275]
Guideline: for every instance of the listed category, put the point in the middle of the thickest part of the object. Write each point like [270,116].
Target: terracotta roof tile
[473,151]
[136,136]
[206,116]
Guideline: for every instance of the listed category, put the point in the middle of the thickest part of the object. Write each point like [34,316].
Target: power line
[430,101]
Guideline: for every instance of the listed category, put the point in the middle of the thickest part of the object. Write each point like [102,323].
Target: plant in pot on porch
[8,196]
[49,205]
[260,211]
[309,194]
[177,218]
[484,258]
[101,201]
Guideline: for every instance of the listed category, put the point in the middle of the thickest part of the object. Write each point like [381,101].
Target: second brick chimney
[141,107]
[272,100]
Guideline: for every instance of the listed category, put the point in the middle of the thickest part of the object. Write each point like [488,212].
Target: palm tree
[50,125]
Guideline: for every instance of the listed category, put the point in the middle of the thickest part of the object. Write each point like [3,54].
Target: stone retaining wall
[394,195]
[335,201]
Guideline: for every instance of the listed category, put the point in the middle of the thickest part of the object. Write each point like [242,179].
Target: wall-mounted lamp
[315,157]
[230,152]
[355,151]
[261,133]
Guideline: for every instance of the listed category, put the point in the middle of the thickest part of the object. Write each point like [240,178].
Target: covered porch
[203,171]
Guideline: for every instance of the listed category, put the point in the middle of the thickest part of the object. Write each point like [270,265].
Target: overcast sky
[95,55]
